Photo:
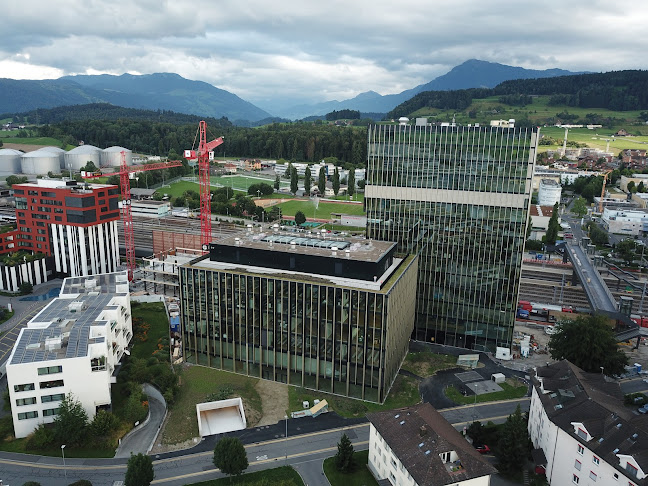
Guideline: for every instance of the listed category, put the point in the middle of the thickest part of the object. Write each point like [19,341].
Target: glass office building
[459,197]
[333,315]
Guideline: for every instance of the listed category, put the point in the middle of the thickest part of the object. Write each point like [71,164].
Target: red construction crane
[202,154]
[127,217]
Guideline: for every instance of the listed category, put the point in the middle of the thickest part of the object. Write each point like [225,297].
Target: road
[304,452]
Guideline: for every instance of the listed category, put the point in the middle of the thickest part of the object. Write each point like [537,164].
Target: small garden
[284,475]
[358,475]
[511,389]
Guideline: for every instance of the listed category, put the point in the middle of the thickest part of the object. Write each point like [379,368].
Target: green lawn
[426,363]
[177,189]
[285,475]
[32,141]
[323,210]
[196,384]
[242,182]
[5,317]
[404,392]
[153,314]
[359,477]
[510,391]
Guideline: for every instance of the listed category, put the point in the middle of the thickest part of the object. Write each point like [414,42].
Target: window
[25,387]
[52,398]
[581,449]
[577,465]
[25,401]
[582,434]
[616,476]
[27,415]
[596,460]
[49,370]
[575,479]
[50,411]
[51,384]
[593,476]
[632,471]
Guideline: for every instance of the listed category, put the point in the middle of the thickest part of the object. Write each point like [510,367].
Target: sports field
[323,211]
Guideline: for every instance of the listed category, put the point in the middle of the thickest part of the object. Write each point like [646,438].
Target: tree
[626,249]
[589,343]
[631,186]
[361,183]
[113,180]
[288,172]
[26,288]
[512,447]
[641,187]
[351,182]
[579,207]
[102,423]
[344,456]
[300,218]
[140,470]
[81,482]
[599,236]
[308,180]
[31,483]
[276,183]
[336,181]
[294,180]
[71,423]
[90,167]
[230,456]
[321,181]
[14,179]
[553,227]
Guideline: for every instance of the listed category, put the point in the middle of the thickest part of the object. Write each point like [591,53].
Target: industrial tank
[549,192]
[111,157]
[10,161]
[79,156]
[55,150]
[40,162]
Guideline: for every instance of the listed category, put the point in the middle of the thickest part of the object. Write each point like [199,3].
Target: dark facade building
[458,197]
[327,314]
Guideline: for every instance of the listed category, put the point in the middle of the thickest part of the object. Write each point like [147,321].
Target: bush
[41,438]
[6,427]
[26,288]
[81,482]
[103,423]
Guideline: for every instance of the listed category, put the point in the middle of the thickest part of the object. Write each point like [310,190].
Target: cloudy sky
[315,50]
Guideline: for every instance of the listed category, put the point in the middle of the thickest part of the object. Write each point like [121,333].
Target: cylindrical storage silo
[10,161]
[79,156]
[40,162]
[111,157]
[55,150]
[549,192]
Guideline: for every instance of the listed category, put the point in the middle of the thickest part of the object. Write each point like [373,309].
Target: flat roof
[314,243]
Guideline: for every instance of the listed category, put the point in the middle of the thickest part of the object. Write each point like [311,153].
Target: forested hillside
[620,91]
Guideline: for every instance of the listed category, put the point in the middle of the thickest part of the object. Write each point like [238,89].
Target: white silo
[111,157]
[79,156]
[40,162]
[549,192]
[403,120]
[10,161]
[55,150]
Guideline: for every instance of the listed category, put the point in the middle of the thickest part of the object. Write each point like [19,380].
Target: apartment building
[72,346]
[583,432]
[416,446]
[314,310]
[458,197]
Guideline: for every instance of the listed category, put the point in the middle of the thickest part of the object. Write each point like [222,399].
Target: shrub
[81,482]
[41,438]
[103,423]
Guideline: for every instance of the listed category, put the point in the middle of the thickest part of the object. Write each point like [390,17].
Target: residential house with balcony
[72,346]
[416,446]
[582,432]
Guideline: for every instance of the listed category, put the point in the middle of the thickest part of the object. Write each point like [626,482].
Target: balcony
[98,364]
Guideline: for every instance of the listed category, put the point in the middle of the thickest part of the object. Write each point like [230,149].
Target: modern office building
[74,223]
[459,198]
[311,310]
[72,346]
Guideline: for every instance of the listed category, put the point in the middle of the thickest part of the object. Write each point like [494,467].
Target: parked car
[483,449]
[643,409]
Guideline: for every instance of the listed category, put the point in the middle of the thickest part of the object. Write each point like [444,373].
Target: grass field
[242,182]
[359,477]
[593,138]
[153,314]
[404,392]
[285,476]
[511,390]
[426,363]
[196,384]
[323,211]
[32,141]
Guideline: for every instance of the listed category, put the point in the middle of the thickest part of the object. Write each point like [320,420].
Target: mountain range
[169,91]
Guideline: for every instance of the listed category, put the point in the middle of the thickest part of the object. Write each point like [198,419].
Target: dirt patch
[22,146]
[266,203]
[274,401]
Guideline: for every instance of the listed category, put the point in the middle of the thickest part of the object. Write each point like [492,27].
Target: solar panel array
[307,242]
[57,313]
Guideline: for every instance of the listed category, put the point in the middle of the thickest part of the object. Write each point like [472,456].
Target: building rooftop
[569,395]
[550,182]
[63,328]
[418,436]
[63,184]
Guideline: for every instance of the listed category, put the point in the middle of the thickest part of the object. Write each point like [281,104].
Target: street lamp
[63,453]
[286,439]
[602,368]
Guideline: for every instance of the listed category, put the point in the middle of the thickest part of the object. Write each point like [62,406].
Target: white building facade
[72,346]
[585,442]
[625,222]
